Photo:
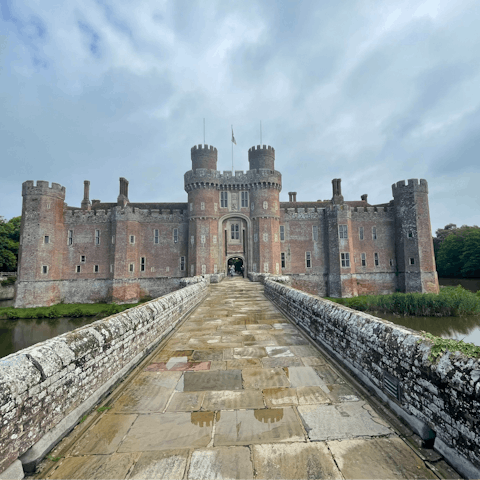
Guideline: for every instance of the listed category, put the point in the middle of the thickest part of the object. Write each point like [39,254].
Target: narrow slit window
[155,236]
[315,233]
[45,269]
[412,261]
[175,235]
[95,268]
[70,237]
[282,233]
[132,239]
[78,268]
[283,259]
[97,237]
[182,264]
[374,233]
[375,255]
[360,233]
[308,259]
[142,264]
[131,267]
[46,239]
[364,260]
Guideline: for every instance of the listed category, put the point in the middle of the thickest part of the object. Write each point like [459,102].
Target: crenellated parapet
[239,180]
[413,185]
[311,213]
[43,188]
[261,157]
[204,156]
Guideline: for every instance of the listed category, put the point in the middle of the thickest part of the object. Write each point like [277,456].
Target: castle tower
[265,209]
[203,212]
[413,238]
[42,242]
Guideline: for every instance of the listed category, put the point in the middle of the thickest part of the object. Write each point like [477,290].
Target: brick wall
[56,380]
[439,400]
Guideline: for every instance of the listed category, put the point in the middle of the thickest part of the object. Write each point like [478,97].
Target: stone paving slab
[378,458]
[221,463]
[303,377]
[228,400]
[166,465]
[219,380]
[346,420]
[105,436]
[169,431]
[264,378]
[295,461]
[96,467]
[246,427]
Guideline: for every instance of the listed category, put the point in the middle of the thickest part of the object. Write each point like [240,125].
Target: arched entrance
[234,240]
[237,263]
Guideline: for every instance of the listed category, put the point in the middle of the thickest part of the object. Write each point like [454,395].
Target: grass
[67,310]
[450,302]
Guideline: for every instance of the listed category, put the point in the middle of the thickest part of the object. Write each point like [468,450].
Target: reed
[450,302]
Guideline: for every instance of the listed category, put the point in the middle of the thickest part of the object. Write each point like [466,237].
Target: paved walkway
[237,392]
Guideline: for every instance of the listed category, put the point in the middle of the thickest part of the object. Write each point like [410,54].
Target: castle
[123,251]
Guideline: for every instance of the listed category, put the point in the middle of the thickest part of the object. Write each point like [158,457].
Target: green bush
[8,281]
[450,302]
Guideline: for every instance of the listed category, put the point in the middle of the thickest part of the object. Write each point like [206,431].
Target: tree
[449,258]
[9,243]
[471,254]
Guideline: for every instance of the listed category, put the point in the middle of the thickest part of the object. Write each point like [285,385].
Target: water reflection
[472,284]
[269,415]
[203,419]
[18,334]
[459,328]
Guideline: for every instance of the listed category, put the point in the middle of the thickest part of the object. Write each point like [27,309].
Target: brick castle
[123,251]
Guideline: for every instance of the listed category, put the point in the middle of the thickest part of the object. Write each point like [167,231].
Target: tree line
[457,250]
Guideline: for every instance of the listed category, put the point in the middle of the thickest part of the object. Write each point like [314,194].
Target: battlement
[413,185]
[43,188]
[204,148]
[262,148]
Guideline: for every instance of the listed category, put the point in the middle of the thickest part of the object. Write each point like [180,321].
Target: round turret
[262,157]
[204,156]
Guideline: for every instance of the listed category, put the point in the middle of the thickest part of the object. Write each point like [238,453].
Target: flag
[233,138]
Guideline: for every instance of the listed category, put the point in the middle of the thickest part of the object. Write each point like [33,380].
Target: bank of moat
[123,250]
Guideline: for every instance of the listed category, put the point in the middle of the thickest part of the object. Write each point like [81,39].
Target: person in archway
[242,268]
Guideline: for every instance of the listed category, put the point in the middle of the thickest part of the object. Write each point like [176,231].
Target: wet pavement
[237,392]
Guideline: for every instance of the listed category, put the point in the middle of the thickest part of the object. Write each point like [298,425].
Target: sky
[371,92]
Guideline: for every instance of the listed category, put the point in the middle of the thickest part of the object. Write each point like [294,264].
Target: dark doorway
[237,263]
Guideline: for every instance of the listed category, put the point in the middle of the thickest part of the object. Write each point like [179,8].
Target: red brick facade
[122,251]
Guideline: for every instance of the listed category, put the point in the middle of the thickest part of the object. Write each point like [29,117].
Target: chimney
[292,196]
[86,205]
[364,197]
[123,196]
[337,191]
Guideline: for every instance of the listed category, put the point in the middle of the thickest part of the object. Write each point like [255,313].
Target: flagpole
[260,132]
[204,131]
[232,149]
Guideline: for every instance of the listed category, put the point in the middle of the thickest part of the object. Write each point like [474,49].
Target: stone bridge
[238,380]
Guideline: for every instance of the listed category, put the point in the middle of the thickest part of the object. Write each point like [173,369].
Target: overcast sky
[372,92]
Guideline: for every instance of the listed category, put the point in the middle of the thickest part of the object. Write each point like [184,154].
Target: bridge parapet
[47,388]
[431,397]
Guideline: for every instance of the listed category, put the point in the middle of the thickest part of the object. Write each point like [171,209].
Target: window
[202,239]
[374,233]
[283,259]
[155,236]
[235,231]
[360,233]
[308,259]
[46,239]
[204,269]
[97,237]
[391,262]
[202,205]
[244,198]
[113,239]
[315,233]
[412,261]
[70,237]
[192,270]
[410,234]
[224,199]
[192,239]
[252,206]
[265,237]
[364,260]
[265,267]
[175,235]
[345,257]
[375,256]
[214,239]
[111,268]
[95,268]
[45,269]
[132,239]
[191,206]
[131,267]
[343,231]
[282,233]
[48,206]
[77,269]
[265,205]
[182,264]
[142,264]
[215,268]
[83,259]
